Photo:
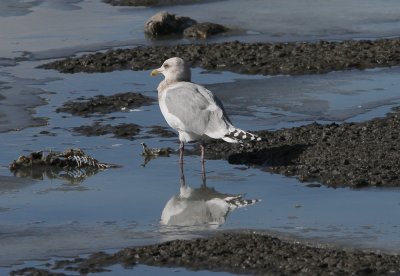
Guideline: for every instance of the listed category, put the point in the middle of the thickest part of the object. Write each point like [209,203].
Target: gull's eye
[166,66]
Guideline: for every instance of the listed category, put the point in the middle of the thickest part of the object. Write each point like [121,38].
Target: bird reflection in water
[203,207]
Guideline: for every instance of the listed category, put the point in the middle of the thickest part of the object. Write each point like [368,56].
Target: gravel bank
[247,58]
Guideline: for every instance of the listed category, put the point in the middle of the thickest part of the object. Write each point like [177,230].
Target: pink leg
[181,149]
[203,174]
[182,175]
[202,153]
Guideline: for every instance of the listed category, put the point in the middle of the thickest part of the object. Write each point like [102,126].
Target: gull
[193,110]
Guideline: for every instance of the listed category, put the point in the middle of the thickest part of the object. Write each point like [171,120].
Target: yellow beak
[155,72]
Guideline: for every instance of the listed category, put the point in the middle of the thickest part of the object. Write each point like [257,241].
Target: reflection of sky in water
[335,96]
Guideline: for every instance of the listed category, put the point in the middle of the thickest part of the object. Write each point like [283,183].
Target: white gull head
[174,70]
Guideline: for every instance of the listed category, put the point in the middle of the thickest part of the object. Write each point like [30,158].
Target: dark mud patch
[45,133]
[105,104]
[162,132]
[123,131]
[248,253]
[247,58]
[128,131]
[349,154]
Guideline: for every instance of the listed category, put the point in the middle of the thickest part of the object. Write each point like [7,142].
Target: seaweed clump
[71,164]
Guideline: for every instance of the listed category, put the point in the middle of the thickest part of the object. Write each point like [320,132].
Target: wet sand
[244,253]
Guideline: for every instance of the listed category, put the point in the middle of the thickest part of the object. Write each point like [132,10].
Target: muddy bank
[105,104]
[350,154]
[247,58]
[249,253]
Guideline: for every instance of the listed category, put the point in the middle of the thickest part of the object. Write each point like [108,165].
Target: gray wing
[211,97]
[198,109]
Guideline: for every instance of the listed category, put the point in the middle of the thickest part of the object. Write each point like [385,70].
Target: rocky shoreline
[243,252]
[246,58]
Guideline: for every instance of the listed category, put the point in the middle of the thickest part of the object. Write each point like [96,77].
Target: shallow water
[117,270]
[122,207]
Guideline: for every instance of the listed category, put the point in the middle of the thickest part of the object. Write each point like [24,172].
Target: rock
[204,30]
[155,151]
[164,23]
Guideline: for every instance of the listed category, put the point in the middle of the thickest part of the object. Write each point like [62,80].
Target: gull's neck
[164,84]
[161,87]
[172,78]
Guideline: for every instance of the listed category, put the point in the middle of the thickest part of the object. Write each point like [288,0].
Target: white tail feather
[236,135]
[239,201]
